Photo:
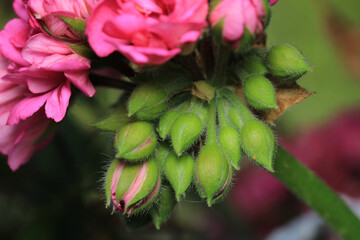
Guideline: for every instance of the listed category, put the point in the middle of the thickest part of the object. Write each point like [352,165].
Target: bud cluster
[172,138]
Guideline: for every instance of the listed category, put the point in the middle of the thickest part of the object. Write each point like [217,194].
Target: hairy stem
[315,193]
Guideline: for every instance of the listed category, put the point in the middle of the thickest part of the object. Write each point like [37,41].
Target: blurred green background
[57,195]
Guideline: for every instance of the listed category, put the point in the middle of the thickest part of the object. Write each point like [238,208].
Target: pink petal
[81,80]
[103,12]
[20,10]
[13,38]
[58,101]
[26,108]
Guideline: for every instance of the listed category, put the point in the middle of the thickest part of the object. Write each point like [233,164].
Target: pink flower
[19,141]
[53,66]
[236,17]
[36,73]
[47,12]
[147,32]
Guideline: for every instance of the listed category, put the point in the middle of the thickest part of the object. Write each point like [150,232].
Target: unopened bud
[235,118]
[258,142]
[229,141]
[132,187]
[165,123]
[254,65]
[147,102]
[179,172]
[259,92]
[286,61]
[185,131]
[201,109]
[161,211]
[135,141]
[212,173]
[161,153]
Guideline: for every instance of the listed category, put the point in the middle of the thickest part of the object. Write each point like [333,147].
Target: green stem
[222,112]
[221,65]
[211,127]
[315,193]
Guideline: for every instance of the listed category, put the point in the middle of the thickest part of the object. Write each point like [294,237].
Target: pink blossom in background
[237,16]
[48,11]
[147,32]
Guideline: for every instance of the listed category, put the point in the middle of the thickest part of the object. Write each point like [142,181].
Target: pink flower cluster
[36,74]
[39,63]
[148,31]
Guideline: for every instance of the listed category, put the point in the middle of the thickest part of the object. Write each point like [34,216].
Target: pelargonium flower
[47,66]
[147,32]
[36,73]
[19,141]
[46,15]
[236,17]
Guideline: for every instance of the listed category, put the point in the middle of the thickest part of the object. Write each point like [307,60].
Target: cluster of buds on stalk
[181,132]
[198,82]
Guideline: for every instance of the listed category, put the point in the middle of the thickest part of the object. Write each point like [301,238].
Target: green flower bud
[286,61]
[254,65]
[161,154]
[179,171]
[212,173]
[161,211]
[235,118]
[147,102]
[75,24]
[259,92]
[229,141]
[132,187]
[258,142]
[135,141]
[165,123]
[201,109]
[184,132]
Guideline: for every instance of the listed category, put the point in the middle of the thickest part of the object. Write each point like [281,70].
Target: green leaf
[76,25]
[114,121]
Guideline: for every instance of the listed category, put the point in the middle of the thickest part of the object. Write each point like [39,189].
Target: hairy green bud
[212,173]
[259,92]
[235,118]
[161,211]
[147,102]
[254,65]
[179,171]
[135,141]
[161,154]
[286,61]
[258,142]
[185,131]
[229,141]
[132,187]
[166,121]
